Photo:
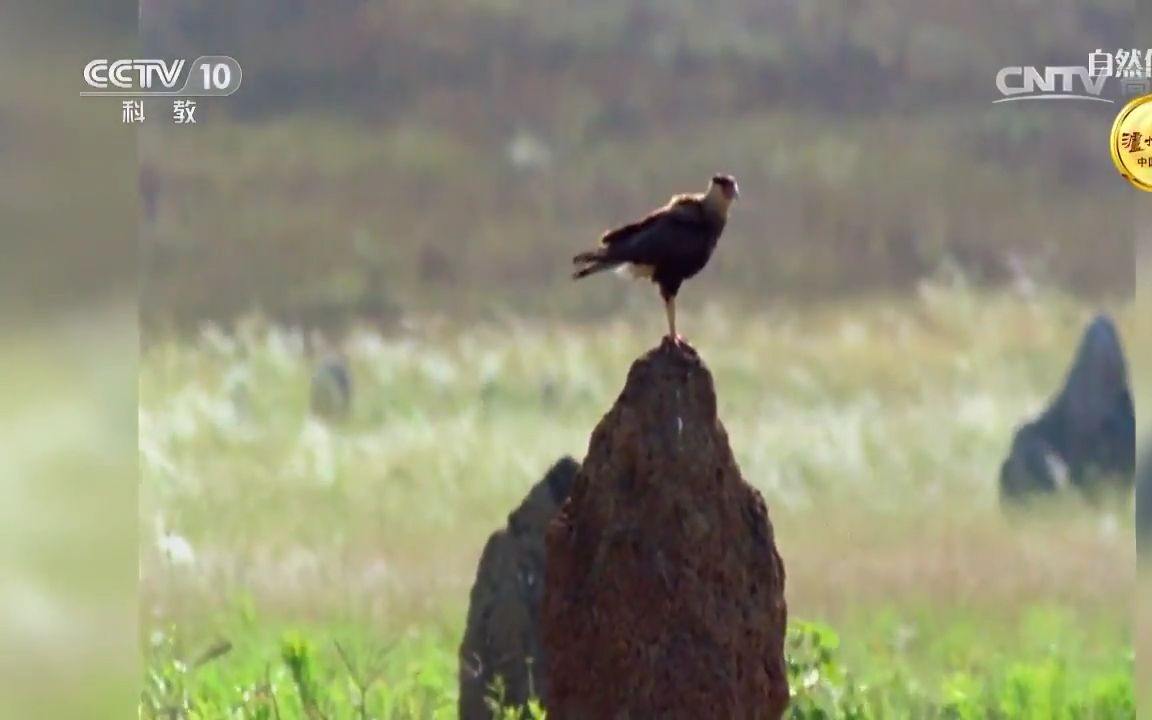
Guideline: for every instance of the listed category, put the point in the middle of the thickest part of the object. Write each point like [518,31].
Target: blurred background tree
[470,148]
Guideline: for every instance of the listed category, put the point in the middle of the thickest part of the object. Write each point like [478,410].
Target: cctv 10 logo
[208,75]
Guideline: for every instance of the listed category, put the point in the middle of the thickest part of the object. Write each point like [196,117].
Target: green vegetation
[416,679]
[335,561]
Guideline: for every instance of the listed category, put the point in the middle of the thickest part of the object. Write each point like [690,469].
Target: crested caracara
[668,246]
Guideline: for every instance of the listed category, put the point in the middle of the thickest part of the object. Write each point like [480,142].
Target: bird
[669,245]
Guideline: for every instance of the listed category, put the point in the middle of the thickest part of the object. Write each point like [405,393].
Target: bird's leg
[670,311]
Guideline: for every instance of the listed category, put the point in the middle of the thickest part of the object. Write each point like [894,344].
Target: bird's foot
[677,339]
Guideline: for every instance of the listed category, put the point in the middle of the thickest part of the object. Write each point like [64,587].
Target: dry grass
[875,432]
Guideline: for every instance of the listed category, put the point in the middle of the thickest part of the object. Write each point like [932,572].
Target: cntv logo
[133,75]
[1049,83]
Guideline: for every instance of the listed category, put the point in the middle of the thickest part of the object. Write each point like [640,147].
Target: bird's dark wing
[680,208]
[674,234]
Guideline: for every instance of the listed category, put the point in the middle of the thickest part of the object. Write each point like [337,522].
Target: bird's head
[727,186]
[721,192]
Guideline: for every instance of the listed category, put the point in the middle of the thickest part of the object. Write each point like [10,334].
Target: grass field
[331,558]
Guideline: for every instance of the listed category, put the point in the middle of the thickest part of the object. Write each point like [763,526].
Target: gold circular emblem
[1132,142]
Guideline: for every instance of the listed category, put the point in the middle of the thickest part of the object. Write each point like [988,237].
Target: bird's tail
[592,262]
